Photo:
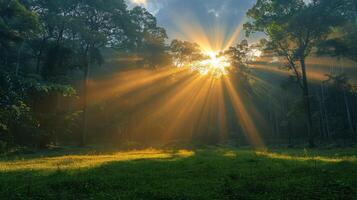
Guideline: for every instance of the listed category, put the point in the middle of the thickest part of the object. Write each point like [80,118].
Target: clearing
[209,173]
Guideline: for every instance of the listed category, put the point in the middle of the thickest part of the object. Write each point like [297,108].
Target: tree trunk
[5,58]
[39,55]
[18,58]
[271,120]
[290,132]
[325,112]
[38,62]
[321,118]
[85,100]
[306,98]
[348,111]
[289,127]
[277,127]
[355,11]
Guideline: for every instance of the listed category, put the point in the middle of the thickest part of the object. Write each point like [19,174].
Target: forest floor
[209,173]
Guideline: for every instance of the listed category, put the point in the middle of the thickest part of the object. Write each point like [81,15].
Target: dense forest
[97,71]
[178,99]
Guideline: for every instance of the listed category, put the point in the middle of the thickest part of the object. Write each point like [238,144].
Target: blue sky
[209,15]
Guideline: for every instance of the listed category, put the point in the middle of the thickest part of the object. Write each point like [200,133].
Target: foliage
[47,46]
[342,41]
[293,35]
[184,53]
[50,51]
[239,55]
[149,39]
[19,114]
[338,101]
[16,22]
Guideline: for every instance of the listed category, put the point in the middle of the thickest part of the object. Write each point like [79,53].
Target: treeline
[298,30]
[48,49]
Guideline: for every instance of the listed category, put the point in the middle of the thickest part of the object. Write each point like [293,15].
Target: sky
[218,22]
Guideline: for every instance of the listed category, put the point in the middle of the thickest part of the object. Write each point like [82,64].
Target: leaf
[3,127]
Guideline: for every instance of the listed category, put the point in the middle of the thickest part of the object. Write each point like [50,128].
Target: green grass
[212,173]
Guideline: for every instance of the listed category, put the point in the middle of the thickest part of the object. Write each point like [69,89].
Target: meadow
[207,173]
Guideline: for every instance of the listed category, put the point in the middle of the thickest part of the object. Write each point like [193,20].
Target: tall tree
[99,24]
[342,89]
[294,27]
[147,39]
[49,47]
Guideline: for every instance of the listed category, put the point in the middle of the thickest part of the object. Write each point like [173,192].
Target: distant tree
[340,91]
[238,54]
[294,27]
[185,53]
[147,39]
[155,51]
[342,42]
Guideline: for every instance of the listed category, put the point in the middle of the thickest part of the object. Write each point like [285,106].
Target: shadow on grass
[201,174]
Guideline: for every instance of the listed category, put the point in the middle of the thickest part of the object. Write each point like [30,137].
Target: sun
[139,2]
[214,64]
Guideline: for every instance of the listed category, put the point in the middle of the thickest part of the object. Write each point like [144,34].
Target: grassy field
[211,173]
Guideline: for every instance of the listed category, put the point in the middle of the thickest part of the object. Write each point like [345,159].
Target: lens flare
[254,54]
[139,2]
[214,65]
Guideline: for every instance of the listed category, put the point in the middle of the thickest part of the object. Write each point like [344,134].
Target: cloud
[153,6]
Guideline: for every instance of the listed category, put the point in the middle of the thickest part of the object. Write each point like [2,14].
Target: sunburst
[215,65]
[139,2]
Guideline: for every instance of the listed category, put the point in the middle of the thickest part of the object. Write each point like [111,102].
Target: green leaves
[17,22]
[3,126]
[64,90]
[185,52]
[292,25]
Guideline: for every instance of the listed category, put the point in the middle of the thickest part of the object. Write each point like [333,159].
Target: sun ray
[165,106]
[185,114]
[245,119]
[139,100]
[215,37]
[233,37]
[194,106]
[121,85]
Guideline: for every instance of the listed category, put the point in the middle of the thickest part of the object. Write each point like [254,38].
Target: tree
[17,24]
[238,55]
[51,46]
[99,24]
[239,58]
[341,90]
[147,39]
[294,28]
[185,53]
[342,42]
